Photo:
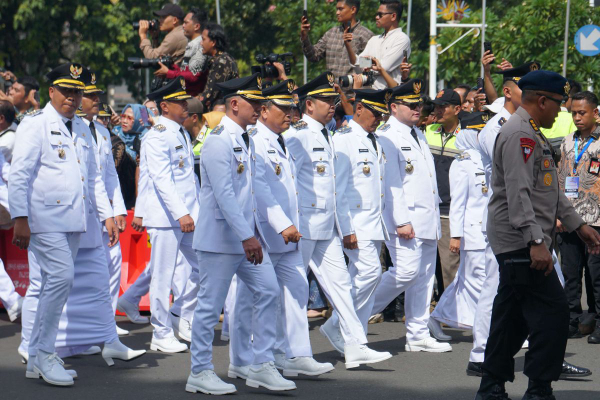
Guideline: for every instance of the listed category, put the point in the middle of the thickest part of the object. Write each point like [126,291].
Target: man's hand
[8,76]
[162,71]
[358,81]
[455,245]
[505,65]
[31,99]
[282,76]
[405,232]
[113,231]
[405,68]
[560,228]
[21,233]
[591,237]
[347,37]
[253,250]
[4,96]
[121,222]
[487,60]
[186,223]
[137,224]
[541,259]
[291,234]
[304,28]
[143,30]
[115,119]
[350,242]
[480,100]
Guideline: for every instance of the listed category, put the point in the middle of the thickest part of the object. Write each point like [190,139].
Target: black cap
[546,81]
[321,86]
[374,99]
[281,94]
[104,110]
[515,74]
[68,76]
[89,80]
[447,96]
[474,120]
[248,87]
[410,92]
[172,91]
[170,9]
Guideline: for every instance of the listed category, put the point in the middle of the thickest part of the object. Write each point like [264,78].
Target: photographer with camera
[193,58]
[174,43]
[22,93]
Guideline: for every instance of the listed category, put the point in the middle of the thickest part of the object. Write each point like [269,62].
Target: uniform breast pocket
[60,148]
[320,163]
[84,151]
[60,198]
[359,204]
[240,165]
[366,166]
[274,168]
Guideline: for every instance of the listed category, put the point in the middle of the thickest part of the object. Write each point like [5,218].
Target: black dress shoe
[594,338]
[491,390]
[574,332]
[539,391]
[474,369]
[570,371]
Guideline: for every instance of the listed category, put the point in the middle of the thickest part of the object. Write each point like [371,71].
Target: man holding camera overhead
[170,21]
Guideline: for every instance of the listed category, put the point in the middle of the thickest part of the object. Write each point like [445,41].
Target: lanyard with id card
[572,182]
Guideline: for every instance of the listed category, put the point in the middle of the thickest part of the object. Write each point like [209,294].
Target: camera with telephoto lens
[368,78]
[157,82]
[267,69]
[154,25]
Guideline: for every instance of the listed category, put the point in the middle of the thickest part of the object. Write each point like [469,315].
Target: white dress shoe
[182,327]
[208,382]
[15,310]
[429,345]
[279,360]
[132,311]
[121,331]
[119,351]
[267,376]
[24,356]
[238,372]
[93,350]
[168,345]
[436,331]
[305,366]
[50,367]
[31,374]
[357,354]
[334,335]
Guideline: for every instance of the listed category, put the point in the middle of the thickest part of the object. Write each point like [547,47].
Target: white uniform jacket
[411,195]
[275,189]
[54,176]
[314,160]
[142,188]
[173,188]
[359,170]
[229,210]
[469,193]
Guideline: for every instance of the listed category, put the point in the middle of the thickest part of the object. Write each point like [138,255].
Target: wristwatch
[535,242]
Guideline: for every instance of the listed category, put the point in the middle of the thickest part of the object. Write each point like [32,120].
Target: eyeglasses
[412,106]
[557,101]
[127,117]
[381,14]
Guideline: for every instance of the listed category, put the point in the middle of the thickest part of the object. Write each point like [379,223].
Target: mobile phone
[36,96]
[364,62]
[305,15]
[144,113]
[480,83]
[405,55]
[487,46]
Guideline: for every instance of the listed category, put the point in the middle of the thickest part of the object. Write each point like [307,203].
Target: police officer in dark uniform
[522,216]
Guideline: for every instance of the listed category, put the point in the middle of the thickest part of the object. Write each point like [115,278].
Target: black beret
[546,81]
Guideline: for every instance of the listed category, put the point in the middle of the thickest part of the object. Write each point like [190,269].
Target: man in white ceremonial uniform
[228,244]
[359,169]
[171,209]
[53,185]
[278,215]
[412,216]
[321,225]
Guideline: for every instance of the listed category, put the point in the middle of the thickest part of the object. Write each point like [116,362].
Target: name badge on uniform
[479,173]
[319,149]
[178,147]
[237,149]
[271,151]
[363,150]
[572,187]
[55,133]
[594,166]
[405,148]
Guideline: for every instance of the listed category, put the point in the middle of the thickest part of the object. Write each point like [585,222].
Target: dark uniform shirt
[220,68]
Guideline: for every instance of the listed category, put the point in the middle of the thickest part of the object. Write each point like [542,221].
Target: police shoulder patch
[252,131]
[384,127]
[300,125]
[343,129]
[160,127]
[218,130]
[501,121]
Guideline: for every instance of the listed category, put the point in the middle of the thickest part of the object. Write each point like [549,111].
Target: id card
[572,187]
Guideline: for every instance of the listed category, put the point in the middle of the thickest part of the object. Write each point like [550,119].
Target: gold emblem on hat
[61,154]
[331,79]
[388,97]
[409,167]
[320,169]
[240,168]
[417,87]
[484,189]
[277,169]
[75,71]
[567,88]
[290,86]
[366,170]
[259,82]
[534,67]
[182,81]
[93,78]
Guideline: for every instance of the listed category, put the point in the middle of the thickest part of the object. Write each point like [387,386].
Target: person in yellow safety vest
[563,125]
[209,121]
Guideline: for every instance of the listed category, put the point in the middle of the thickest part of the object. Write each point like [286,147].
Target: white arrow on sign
[587,43]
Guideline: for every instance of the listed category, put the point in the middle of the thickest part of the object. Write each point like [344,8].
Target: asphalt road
[410,376]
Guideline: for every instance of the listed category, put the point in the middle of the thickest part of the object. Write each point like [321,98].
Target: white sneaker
[31,374]
[279,360]
[15,310]
[357,354]
[132,311]
[238,372]
[121,331]
[267,376]
[208,382]
[305,366]
[333,334]
[50,367]
[182,327]
[93,350]
[429,345]
[119,351]
[435,328]
[168,345]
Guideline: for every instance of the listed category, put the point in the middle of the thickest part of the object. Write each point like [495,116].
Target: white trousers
[55,254]
[458,303]
[8,295]
[292,329]
[365,271]
[229,305]
[114,259]
[216,272]
[413,271]
[167,243]
[326,260]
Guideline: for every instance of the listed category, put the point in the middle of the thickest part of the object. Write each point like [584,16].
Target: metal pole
[218,12]
[566,44]
[408,18]
[432,49]
[483,6]
[305,60]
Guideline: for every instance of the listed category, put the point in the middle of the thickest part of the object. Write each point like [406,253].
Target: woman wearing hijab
[132,127]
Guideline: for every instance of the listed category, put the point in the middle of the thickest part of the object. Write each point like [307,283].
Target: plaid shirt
[331,46]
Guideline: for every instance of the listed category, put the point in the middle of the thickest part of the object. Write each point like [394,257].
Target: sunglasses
[381,14]
[412,106]
[557,101]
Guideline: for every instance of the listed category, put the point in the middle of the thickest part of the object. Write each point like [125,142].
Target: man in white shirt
[8,127]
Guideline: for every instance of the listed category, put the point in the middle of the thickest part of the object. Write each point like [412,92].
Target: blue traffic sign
[587,40]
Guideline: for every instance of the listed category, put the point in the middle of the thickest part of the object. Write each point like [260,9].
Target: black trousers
[537,308]
[575,262]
